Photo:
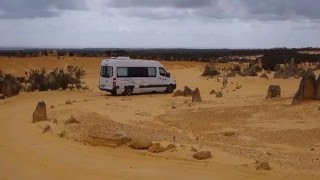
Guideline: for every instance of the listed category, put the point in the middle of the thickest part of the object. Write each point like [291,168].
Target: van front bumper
[114,89]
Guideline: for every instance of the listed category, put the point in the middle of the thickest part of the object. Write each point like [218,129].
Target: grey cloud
[221,9]
[15,9]
[283,9]
[159,3]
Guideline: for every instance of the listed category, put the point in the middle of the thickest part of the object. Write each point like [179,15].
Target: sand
[239,129]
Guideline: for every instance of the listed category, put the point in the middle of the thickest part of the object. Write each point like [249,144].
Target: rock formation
[274,91]
[114,140]
[202,155]
[9,86]
[264,75]
[186,92]
[140,144]
[212,92]
[46,129]
[156,148]
[196,97]
[263,165]
[40,113]
[318,88]
[307,89]
[219,94]
[72,120]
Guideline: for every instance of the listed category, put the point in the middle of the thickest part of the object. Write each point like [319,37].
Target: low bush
[210,70]
[43,80]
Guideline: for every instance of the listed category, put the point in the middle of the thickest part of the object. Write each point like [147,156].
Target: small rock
[63,133]
[46,128]
[55,120]
[52,107]
[171,146]
[262,165]
[178,93]
[174,107]
[72,120]
[238,86]
[193,149]
[269,153]
[140,144]
[114,140]
[202,155]
[312,149]
[156,148]
[229,133]
[264,75]
[212,92]
[219,94]
[68,102]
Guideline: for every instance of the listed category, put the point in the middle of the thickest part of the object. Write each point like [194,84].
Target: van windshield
[106,71]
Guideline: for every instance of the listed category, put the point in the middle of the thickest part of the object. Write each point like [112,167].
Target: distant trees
[273,57]
[269,59]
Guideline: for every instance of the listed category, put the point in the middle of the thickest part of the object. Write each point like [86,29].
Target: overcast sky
[160,23]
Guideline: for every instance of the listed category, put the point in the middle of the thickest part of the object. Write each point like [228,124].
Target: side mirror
[168,74]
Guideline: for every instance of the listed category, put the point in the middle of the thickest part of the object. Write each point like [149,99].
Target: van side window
[106,71]
[152,72]
[162,72]
[122,72]
[136,72]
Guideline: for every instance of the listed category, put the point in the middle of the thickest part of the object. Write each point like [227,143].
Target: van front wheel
[113,93]
[169,89]
[128,91]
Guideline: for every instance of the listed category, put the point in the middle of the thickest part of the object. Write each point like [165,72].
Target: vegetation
[43,80]
[270,56]
[210,70]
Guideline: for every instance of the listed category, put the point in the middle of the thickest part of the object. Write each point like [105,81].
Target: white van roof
[130,62]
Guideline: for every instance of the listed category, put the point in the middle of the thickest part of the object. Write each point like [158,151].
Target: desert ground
[271,130]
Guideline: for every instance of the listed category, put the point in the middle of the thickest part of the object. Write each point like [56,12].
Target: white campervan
[126,76]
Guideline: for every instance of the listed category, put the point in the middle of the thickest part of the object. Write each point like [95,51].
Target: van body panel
[142,75]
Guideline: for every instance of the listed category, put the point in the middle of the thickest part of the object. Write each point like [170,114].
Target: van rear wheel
[128,91]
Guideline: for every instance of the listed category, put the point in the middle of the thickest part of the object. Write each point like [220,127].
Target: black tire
[169,89]
[114,93]
[128,91]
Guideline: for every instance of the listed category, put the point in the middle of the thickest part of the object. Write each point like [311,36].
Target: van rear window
[136,72]
[106,71]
